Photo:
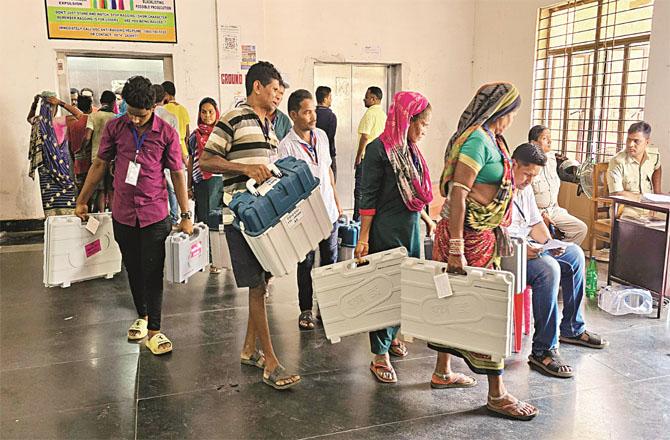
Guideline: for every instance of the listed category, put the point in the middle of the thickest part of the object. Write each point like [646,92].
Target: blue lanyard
[311,147]
[139,140]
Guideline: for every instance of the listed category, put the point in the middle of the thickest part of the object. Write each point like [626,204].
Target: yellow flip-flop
[157,344]
[140,326]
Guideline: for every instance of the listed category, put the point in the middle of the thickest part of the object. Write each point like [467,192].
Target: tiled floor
[67,371]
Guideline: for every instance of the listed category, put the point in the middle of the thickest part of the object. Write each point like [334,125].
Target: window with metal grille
[591,73]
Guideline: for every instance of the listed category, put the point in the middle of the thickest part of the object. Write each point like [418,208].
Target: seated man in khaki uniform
[546,186]
[635,171]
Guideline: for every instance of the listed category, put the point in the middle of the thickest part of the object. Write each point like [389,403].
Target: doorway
[349,83]
[106,71]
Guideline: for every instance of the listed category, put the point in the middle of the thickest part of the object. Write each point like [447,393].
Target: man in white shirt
[546,271]
[308,143]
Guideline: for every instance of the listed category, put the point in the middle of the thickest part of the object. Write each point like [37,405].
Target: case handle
[251,183]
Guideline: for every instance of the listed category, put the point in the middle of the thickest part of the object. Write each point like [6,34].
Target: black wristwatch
[185,215]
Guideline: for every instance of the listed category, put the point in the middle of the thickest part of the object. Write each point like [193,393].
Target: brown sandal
[454,380]
[398,350]
[510,410]
[377,368]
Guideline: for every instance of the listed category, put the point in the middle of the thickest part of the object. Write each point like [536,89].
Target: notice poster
[152,21]
[248,56]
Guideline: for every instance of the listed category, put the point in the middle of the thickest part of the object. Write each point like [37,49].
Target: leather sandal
[257,359]
[398,350]
[510,410]
[553,368]
[593,340]
[453,380]
[279,374]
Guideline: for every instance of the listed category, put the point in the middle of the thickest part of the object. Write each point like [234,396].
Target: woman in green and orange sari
[478,184]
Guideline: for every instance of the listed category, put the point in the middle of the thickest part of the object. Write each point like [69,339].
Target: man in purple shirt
[327,121]
[141,145]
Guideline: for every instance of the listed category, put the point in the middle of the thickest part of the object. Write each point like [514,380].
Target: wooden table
[639,253]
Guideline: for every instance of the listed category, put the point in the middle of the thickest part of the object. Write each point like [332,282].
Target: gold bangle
[462,186]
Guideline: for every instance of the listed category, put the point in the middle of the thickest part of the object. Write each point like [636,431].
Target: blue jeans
[328,254]
[172,200]
[544,275]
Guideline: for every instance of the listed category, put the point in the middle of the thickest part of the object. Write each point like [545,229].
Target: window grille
[591,73]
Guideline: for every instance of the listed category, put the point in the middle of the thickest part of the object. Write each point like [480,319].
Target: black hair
[169,88]
[108,97]
[535,133]
[322,93]
[73,91]
[85,103]
[159,91]
[261,71]
[83,89]
[641,127]
[207,100]
[137,92]
[296,99]
[376,91]
[529,154]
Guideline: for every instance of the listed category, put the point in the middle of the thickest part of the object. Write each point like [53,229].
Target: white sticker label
[442,285]
[133,173]
[92,225]
[267,185]
[294,218]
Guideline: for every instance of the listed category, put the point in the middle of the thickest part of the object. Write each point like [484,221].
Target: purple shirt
[146,202]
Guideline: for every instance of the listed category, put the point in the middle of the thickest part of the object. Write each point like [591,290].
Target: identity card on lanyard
[133,167]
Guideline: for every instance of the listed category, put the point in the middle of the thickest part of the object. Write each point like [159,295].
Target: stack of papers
[655,198]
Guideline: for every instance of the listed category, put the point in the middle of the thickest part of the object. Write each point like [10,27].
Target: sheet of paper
[442,285]
[551,244]
[92,225]
[655,198]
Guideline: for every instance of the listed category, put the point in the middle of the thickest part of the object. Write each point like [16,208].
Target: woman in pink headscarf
[395,188]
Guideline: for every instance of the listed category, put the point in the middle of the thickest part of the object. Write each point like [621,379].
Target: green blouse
[483,156]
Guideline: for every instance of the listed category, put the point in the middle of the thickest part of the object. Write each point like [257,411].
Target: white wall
[30,66]
[434,48]
[504,50]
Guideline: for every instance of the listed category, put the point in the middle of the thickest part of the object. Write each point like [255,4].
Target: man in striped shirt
[240,147]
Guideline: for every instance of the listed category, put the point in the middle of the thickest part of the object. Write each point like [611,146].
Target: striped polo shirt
[239,136]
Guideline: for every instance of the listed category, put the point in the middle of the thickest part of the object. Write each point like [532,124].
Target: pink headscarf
[406,160]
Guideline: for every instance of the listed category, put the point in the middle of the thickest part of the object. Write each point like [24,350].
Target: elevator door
[348,83]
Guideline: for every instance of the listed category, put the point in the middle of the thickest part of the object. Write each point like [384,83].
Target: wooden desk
[640,254]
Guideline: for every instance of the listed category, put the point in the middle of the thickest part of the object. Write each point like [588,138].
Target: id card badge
[133,173]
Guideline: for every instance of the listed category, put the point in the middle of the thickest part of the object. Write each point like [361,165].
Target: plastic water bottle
[592,279]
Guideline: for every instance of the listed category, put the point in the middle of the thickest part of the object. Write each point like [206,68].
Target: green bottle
[592,279]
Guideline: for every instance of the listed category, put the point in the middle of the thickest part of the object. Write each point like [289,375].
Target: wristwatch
[185,215]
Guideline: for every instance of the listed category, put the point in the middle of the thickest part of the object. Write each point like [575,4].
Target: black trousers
[358,174]
[143,252]
[328,254]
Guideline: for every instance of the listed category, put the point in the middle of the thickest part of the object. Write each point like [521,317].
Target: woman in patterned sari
[49,152]
[478,183]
